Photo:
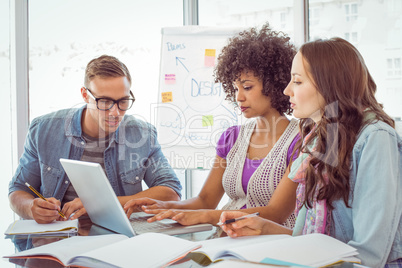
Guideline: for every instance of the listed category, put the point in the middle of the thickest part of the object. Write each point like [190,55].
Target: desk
[85,228]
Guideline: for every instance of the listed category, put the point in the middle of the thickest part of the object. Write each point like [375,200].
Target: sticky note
[209,60]
[207,120]
[167,97]
[210,52]
[170,79]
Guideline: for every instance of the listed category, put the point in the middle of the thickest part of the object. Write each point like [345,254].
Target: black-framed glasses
[105,104]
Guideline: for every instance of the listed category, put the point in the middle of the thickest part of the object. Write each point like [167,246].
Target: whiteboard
[192,111]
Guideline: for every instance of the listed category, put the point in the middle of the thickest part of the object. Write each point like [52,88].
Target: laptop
[104,209]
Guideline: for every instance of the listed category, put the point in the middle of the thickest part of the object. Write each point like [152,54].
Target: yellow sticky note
[210,52]
[207,120]
[167,97]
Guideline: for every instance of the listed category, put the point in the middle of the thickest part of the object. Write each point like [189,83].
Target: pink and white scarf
[316,217]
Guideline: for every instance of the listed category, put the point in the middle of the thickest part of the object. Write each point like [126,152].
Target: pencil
[240,218]
[41,197]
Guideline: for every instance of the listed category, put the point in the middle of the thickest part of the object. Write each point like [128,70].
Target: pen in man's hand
[41,197]
[240,218]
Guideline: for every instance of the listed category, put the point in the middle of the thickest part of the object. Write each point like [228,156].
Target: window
[392,96]
[7,216]
[394,69]
[314,16]
[58,60]
[283,19]
[350,11]
[351,37]
[394,7]
[380,43]
[236,14]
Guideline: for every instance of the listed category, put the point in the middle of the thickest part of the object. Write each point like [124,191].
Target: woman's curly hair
[267,54]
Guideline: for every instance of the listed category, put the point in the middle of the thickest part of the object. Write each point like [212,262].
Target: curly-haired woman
[254,69]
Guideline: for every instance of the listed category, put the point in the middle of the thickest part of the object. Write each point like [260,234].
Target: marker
[240,218]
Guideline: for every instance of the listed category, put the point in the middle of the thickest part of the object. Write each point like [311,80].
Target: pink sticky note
[170,79]
[209,61]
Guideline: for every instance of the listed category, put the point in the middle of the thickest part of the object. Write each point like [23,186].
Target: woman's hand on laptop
[182,216]
[74,209]
[140,204]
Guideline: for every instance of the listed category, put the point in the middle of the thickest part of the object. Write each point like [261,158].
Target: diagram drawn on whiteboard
[192,110]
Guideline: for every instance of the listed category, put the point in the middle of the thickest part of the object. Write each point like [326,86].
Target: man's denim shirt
[133,155]
[373,223]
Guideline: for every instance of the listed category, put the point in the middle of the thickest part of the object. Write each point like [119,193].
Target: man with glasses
[99,132]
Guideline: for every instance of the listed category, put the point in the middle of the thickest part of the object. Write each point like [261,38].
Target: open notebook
[112,250]
[104,209]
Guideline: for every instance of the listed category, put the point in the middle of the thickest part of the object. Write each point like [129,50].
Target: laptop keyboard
[140,225]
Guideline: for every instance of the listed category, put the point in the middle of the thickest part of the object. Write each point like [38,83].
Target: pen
[240,218]
[41,197]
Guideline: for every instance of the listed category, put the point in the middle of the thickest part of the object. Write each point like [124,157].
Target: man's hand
[45,211]
[74,207]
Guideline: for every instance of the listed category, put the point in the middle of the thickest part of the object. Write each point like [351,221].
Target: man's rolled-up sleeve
[158,170]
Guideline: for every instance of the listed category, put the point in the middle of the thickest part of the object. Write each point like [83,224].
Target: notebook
[104,209]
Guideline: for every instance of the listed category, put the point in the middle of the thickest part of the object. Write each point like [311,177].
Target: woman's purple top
[228,139]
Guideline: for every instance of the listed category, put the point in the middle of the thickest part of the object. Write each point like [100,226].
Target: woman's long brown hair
[342,78]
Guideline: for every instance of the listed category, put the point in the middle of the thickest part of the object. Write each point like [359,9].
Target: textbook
[313,250]
[113,250]
[26,227]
